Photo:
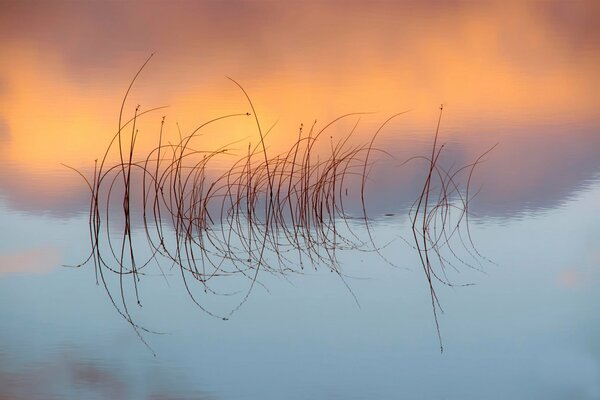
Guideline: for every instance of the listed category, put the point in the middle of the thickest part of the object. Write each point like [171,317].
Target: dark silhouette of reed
[209,225]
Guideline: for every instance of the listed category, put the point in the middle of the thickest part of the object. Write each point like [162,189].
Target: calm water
[522,76]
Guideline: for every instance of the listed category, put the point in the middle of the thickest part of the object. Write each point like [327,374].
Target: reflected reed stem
[290,206]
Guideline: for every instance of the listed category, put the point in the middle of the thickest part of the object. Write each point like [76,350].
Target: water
[522,76]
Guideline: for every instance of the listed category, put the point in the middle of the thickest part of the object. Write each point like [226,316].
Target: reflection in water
[308,339]
[34,260]
[71,375]
[520,74]
[270,213]
[509,74]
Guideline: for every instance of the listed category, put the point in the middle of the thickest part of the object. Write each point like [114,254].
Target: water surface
[522,76]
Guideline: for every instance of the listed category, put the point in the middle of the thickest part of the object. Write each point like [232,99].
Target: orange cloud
[496,65]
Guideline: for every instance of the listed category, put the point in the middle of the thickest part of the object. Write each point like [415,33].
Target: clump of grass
[289,206]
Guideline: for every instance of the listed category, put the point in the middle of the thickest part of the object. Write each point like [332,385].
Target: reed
[289,205]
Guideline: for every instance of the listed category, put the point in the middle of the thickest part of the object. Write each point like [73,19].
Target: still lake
[518,76]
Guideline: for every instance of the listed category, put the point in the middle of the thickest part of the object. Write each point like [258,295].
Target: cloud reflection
[37,260]
[521,74]
[70,375]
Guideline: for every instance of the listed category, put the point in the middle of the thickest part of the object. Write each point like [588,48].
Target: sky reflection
[33,260]
[519,333]
[507,73]
[522,75]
